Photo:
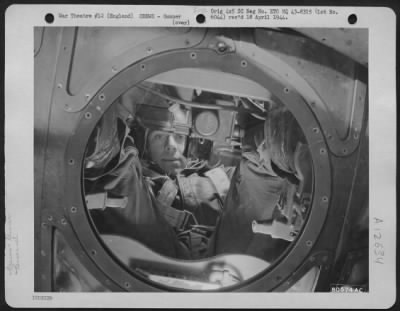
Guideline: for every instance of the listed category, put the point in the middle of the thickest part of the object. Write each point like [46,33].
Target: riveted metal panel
[349,41]
[338,82]
[44,73]
[95,47]
[79,74]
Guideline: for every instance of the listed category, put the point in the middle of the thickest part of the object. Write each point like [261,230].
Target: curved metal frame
[77,102]
[337,146]
[77,218]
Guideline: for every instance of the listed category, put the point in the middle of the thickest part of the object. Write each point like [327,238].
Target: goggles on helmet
[174,118]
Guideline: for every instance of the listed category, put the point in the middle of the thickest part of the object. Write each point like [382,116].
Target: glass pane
[194,188]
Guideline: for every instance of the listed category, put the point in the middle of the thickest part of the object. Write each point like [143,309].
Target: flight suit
[173,215]
[167,228]
[262,185]
[255,192]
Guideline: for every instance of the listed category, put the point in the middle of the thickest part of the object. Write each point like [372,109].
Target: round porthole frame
[206,59]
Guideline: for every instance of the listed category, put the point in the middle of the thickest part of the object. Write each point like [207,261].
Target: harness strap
[287,227]
[101,201]
[289,194]
[176,218]
[275,228]
[187,193]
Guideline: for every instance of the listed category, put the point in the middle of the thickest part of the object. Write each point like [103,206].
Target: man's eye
[179,137]
[155,137]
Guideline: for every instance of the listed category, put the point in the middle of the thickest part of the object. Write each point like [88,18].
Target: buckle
[183,220]
[176,218]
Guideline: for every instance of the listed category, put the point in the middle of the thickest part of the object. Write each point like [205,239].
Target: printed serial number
[35,297]
[378,246]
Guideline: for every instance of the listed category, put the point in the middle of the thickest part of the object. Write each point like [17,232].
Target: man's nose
[170,144]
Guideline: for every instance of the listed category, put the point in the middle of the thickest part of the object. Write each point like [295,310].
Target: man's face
[166,149]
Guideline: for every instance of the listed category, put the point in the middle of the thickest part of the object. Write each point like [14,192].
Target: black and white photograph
[211,159]
[207,159]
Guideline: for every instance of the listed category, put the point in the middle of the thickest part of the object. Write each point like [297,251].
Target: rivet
[127,285]
[93,252]
[73,209]
[102,97]
[243,63]
[193,55]
[63,221]
[142,67]
[50,218]
[322,151]
[324,199]
[344,151]
[221,46]
[316,130]
[44,225]
[59,85]
[309,243]
[286,90]
[87,97]
[88,115]
[149,50]
[71,161]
